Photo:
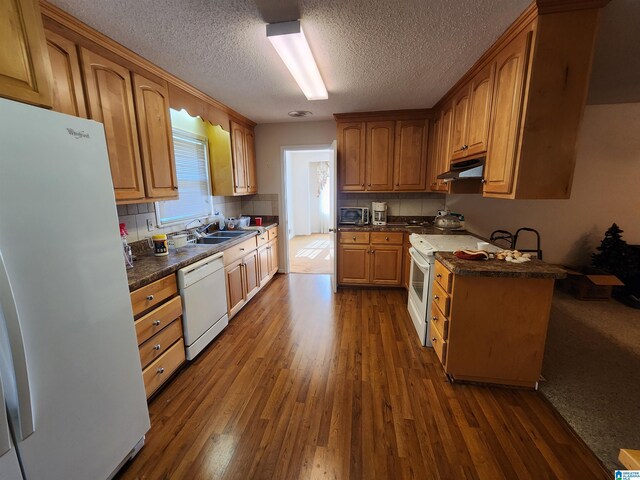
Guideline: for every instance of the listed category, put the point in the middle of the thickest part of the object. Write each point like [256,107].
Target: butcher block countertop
[148,268]
[499,268]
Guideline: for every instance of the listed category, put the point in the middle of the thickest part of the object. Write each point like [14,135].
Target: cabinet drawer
[387,238]
[232,254]
[439,345]
[439,321]
[161,369]
[354,237]
[146,297]
[158,319]
[440,298]
[160,342]
[443,276]
[272,233]
[262,239]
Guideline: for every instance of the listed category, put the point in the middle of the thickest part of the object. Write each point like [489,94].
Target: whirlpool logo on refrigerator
[77,135]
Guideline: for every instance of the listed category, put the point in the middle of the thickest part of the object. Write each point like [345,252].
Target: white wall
[270,138]
[606,189]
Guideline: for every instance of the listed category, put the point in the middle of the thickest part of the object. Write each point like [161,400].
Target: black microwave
[354,215]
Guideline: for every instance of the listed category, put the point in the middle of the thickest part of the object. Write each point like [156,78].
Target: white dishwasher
[204,302]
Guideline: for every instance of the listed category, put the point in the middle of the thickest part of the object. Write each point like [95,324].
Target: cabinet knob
[386,238]
[242,249]
[438,275]
[362,185]
[484,180]
[434,184]
[373,251]
[161,370]
[436,297]
[464,147]
[368,184]
[156,346]
[435,319]
[156,323]
[149,297]
[434,339]
[354,239]
[175,188]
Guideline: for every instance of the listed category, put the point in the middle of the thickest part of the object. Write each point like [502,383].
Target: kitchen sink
[227,234]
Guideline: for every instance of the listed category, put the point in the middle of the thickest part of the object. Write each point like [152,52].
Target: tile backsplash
[261,204]
[398,204]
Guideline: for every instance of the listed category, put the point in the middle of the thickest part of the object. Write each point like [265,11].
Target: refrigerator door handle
[25,425]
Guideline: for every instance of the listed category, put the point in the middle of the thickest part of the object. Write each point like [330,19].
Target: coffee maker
[379,213]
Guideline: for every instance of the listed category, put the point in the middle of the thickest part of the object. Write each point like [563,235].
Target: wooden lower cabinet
[157,308]
[236,294]
[251,274]
[370,258]
[490,329]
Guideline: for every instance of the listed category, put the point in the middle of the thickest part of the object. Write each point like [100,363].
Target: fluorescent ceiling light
[289,41]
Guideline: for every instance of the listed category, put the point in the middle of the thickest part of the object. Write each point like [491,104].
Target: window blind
[192,169]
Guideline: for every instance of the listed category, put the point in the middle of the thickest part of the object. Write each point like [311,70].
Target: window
[192,169]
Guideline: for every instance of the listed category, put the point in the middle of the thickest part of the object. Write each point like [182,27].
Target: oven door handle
[416,258]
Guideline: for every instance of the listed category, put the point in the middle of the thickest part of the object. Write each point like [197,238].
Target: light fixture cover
[289,41]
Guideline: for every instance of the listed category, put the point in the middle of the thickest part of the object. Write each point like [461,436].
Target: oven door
[420,279]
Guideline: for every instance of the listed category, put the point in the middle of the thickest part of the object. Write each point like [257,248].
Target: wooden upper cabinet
[239,158]
[410,171]
[25,74]
[156,138]
[379,155]
[510,75]
[481,94]
[458,146]
[351,156]
[250,160]
[68,94]
[446,124]
[110,101]
[432,163]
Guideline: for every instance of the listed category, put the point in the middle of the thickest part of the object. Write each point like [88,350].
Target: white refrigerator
[69,363]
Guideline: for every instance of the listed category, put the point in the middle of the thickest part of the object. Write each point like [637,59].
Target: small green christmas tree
[615,255]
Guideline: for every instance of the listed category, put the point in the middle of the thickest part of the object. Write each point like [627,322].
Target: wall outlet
[150,226]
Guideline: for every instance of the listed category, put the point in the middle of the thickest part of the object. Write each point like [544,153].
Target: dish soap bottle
[126,249]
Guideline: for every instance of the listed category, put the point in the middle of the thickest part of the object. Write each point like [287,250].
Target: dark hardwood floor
[305,384]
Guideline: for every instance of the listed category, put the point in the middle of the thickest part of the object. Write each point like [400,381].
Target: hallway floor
[311,253]
[305,384]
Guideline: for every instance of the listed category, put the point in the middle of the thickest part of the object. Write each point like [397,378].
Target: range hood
[464,169]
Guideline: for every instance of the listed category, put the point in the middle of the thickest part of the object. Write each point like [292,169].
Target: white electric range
[423,250]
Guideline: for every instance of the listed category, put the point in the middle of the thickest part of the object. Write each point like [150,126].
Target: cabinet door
[380,138]
[444,157]
[251,274]
[480,111]
[353,264]
[411,155]
[25,75]
[239,161]
[386,264]
[68,95]
[273,257]
[250,160]
[351,156]
[510,76]
[236,293]
[263,264]
[156,138]
[458,145]
[110,101]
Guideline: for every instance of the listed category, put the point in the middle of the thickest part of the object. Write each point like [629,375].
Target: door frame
[284,202]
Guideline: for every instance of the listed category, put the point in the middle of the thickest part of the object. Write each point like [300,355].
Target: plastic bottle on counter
[126,249]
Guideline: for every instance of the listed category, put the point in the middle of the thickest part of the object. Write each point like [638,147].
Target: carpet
[311,253]
[592,372]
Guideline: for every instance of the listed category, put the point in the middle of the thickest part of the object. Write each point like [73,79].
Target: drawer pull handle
[386,238]
[354,239]
[242,249]
[436,297]
[156,323]
[435,319]
[434,339]
[149,297]
[161,370]
[438,275]
[156,346]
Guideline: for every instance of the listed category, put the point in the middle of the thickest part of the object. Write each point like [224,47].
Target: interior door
[333,192]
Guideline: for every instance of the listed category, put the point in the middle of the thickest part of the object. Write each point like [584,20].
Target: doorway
[309,188]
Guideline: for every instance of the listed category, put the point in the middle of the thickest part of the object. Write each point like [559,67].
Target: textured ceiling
[372,54]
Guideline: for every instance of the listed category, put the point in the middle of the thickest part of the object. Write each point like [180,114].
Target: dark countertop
[499,268]
[148,268]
